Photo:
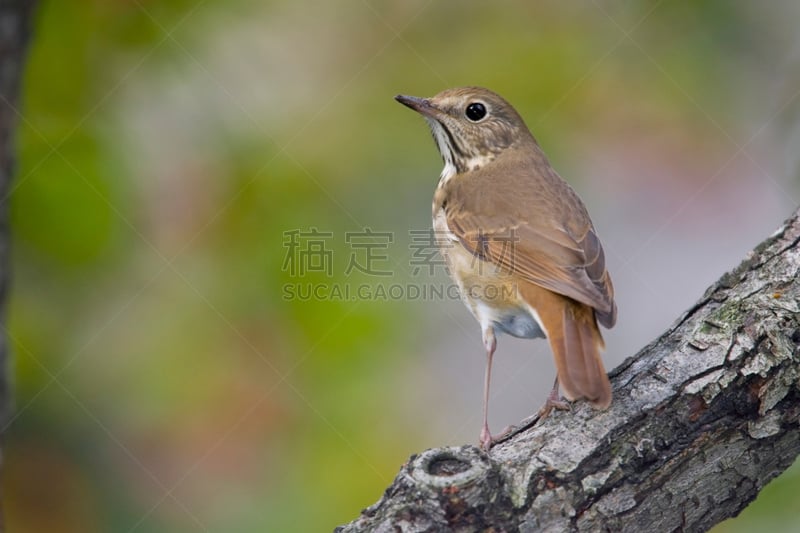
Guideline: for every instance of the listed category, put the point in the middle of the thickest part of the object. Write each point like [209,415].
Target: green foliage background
[162,380]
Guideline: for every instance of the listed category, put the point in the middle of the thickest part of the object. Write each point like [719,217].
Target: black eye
[476,111]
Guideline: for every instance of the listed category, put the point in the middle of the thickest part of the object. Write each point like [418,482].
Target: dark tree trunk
[702,419]
[15,19]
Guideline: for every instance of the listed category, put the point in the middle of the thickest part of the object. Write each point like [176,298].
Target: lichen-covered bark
[702,419]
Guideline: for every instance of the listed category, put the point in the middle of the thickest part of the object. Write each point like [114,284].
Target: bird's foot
[486,439]
[506,431]
[553,403]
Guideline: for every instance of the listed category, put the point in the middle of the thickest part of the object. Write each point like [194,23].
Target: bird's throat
[445,144]
[456,159]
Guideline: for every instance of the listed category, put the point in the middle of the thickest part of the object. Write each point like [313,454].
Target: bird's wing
[546,240]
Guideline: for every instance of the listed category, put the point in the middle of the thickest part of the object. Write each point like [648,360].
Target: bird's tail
[576,347]
[571,328]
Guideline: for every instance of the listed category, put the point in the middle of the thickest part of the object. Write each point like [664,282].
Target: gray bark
[15,18]
[702,419]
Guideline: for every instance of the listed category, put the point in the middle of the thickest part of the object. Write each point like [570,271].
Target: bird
[518,242]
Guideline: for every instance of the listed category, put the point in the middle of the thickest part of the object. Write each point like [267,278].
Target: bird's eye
[475,111]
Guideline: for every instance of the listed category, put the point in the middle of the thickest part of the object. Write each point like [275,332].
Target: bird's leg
[490,343]
[554,401]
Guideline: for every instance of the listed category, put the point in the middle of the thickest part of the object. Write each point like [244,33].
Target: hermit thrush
[518,241]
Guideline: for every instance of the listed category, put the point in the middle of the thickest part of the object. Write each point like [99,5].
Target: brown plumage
[518,240]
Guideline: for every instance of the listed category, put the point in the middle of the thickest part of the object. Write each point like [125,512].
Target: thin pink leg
[490,343]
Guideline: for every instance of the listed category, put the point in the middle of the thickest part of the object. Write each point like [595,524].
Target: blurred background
[190,169]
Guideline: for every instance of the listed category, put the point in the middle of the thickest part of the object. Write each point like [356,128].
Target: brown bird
[518,241]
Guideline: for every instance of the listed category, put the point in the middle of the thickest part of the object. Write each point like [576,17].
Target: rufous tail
[576,342]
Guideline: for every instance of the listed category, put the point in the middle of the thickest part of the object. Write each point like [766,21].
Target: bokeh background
[176,155]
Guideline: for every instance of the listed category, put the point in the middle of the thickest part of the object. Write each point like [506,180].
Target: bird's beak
[420,105]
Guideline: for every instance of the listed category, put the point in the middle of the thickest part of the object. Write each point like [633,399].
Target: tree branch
[702,418]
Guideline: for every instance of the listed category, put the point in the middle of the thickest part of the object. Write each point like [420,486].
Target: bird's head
[471,126]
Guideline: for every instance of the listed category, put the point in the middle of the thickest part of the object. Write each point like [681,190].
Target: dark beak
[420,105]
